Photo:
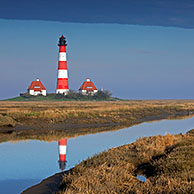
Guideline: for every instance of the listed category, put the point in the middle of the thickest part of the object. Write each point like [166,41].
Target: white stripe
[61,91]
[62,150]
[62,73]
[62,56]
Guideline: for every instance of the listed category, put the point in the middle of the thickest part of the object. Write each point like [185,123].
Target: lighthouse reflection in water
[62,143]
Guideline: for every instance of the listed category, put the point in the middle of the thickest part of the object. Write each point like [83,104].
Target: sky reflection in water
[35,160]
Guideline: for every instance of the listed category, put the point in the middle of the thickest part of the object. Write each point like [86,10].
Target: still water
[25,163]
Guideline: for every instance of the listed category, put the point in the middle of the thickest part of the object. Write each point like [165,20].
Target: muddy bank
[50,132]
[47,186]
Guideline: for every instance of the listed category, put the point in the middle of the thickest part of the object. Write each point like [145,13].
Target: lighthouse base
[62,91]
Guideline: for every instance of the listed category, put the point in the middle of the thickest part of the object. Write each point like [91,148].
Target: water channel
[25,163]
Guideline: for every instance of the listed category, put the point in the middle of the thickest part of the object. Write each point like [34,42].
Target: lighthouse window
[89,87]
[36,86]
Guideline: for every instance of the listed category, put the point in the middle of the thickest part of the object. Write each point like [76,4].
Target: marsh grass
[39,119]
[7,121]
[167,161]
[116,112]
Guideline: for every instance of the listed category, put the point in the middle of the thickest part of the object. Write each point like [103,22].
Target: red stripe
[62,157]
[62,65]
[62,48]
[62,83]
[59,79]
[61,87]
[63,62]
[63,141]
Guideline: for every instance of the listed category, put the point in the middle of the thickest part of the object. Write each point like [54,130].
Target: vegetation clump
[166,161]
[72,95]
[6,121]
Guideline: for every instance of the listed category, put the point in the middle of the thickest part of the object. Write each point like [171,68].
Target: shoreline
[48,185]
[43,120]
[57,132]
[164,144]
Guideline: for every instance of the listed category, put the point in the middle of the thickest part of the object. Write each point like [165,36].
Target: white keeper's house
[37,88]
[88,87]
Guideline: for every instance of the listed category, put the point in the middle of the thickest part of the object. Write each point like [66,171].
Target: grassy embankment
[52,120]
[166,161]
[72,96]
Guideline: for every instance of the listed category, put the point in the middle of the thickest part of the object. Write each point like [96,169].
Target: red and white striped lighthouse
[62,78]
[62,153]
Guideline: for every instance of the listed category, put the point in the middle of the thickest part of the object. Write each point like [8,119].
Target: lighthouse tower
[62,153]
[62,78]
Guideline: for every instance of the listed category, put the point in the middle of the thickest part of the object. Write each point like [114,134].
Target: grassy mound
[166,161]
[72,96]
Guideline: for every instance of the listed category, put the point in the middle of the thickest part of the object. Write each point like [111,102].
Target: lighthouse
[62,78]
[62,153]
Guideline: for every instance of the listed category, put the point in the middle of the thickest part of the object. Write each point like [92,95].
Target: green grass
[72,96]
[36,98]
[52,98]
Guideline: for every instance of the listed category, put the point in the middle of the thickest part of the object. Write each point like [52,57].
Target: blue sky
[132,61]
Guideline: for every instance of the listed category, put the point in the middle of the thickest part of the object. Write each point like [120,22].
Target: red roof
[37,86]
[88,86]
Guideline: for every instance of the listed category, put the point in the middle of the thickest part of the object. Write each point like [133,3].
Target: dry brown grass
[167,161]
[61,111]
[79,118]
